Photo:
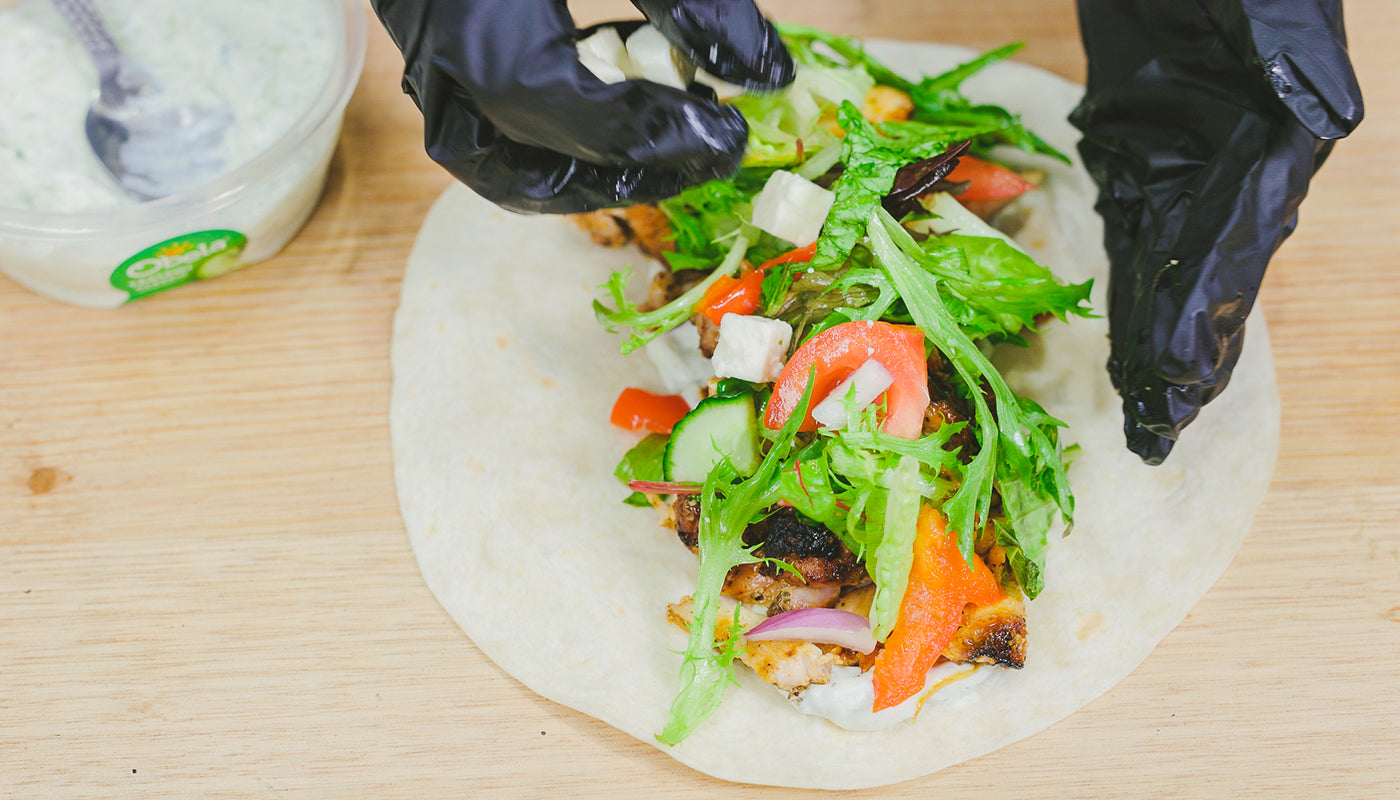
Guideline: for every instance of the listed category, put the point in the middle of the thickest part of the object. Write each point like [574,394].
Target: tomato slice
[837,352]
[988,181]
[638,409]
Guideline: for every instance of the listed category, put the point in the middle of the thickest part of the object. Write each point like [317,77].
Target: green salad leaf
[1018,443]
[644,462]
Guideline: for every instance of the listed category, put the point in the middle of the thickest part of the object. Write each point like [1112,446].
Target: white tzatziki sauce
[848,697]
[264,60]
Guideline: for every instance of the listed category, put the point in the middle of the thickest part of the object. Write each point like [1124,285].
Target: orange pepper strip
[743,294]
[940,586]
[728,295]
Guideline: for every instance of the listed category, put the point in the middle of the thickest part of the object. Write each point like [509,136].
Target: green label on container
[188,257]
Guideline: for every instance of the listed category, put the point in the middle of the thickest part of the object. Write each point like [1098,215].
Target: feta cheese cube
[654,59]
[750,348]
[605,55]
[646,55]
[870,380]
[791,207]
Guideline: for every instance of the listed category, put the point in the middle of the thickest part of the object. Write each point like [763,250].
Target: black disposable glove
[1203,123]
[509,110]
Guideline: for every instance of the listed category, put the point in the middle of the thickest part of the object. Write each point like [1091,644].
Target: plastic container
[106,258]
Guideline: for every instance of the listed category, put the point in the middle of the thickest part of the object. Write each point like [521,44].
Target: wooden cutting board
[206,590]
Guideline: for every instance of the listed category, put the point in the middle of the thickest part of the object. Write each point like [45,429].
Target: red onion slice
[823,625]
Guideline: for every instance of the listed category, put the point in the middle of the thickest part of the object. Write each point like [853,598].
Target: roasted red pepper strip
[742,295]
[638,409]
[940,587]
[728,295]
[799,256]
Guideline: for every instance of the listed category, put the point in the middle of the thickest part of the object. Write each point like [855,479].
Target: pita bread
[504,460]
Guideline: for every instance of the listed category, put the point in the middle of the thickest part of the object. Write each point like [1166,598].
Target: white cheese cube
[750,348]
[791,207]
[724,91]
[654,59]
[870,380]
[605,55]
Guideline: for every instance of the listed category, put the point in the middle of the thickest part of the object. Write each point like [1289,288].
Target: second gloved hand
[1203,125]
[509,110]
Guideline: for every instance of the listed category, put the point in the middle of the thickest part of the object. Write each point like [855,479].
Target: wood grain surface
[206,590]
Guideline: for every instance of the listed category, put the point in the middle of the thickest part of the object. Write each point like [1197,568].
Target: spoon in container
[152,142]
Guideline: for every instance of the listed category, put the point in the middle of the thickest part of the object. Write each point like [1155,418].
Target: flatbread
[504,460]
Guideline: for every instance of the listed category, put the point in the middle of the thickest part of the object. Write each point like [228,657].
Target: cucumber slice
[720,427]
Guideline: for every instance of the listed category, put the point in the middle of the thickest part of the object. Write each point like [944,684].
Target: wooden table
[206,590]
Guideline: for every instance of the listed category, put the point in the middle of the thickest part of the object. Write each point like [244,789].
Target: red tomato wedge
[988,181]
[837,352]
[638,409]
[940,587]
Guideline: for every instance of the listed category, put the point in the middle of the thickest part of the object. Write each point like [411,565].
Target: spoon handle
[91,32]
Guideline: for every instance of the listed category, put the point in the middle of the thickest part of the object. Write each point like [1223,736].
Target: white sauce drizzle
[848,697]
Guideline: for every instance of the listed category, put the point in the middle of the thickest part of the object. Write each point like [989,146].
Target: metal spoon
[153,143]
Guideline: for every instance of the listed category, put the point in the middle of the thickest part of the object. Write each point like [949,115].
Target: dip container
[108,257]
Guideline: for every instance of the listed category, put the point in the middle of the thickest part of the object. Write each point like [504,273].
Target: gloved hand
[1203,123]
[509,110]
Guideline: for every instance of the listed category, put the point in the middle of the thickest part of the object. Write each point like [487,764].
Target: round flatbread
[503,383]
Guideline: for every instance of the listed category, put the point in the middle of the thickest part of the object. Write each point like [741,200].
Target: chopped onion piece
[823,625]
[870,380]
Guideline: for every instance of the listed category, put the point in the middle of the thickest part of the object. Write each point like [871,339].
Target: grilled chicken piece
[946,405]
[643,225]
[814,551]
[994,634]
[709,334]
[749,585]
[685,513]
[786,665]
[823,562]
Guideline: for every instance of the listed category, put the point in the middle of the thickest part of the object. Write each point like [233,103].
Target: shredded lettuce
[866,486]
[996,291]
[784,127]
[872,162]
[895,554]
